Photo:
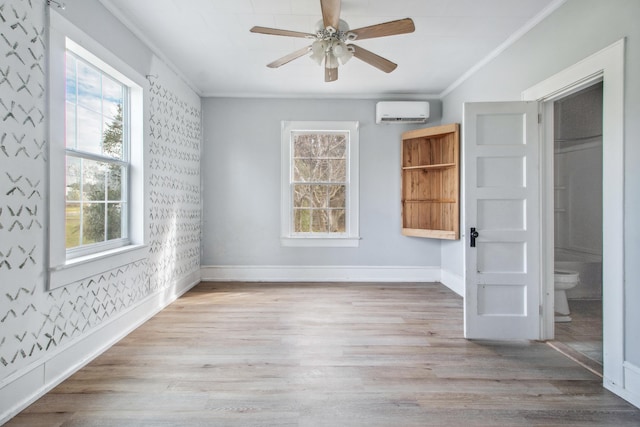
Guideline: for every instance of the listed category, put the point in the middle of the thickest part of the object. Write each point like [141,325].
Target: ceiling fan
[332,41]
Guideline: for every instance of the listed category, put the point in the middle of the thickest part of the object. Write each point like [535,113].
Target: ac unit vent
[402,112]
[403,119]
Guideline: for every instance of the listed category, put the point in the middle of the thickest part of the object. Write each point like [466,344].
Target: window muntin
[96,159]
[320,184]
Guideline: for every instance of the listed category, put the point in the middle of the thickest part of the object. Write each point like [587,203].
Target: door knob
[473,234]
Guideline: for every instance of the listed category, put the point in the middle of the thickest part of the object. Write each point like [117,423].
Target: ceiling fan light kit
[332,41]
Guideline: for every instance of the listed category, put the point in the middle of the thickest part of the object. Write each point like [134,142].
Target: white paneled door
[501,146]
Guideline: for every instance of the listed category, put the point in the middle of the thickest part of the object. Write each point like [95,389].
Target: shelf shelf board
[436,166]
[434,234]
[430,201]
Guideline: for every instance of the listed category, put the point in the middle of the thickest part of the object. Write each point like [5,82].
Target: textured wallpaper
[34,321]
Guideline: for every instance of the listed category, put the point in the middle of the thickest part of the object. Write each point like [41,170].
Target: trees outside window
[319,182]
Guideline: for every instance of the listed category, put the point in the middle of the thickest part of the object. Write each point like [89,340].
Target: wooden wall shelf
[440,166]
[431,182]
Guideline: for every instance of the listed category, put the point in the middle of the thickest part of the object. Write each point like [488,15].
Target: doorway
[577,224]
[606,65]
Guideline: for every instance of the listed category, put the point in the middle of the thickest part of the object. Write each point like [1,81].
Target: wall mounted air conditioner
[402,112]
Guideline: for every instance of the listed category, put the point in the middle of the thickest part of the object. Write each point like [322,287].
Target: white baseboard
[453,282]
[29,384]
[631,390]
[335,273]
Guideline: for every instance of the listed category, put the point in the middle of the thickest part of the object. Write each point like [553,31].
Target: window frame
[68,266]
[351,236]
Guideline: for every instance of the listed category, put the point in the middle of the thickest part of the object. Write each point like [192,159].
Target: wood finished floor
[584,332]
[244,354]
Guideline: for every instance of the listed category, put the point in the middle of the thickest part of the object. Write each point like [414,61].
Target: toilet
[563,281]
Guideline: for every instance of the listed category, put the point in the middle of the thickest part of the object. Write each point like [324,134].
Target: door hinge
[540,310]
[539,118]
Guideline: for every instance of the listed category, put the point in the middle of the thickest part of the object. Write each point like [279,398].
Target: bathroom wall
[578,188]
[46,335]
[578,171]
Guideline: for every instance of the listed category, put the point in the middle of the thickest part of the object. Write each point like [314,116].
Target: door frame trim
[606,65]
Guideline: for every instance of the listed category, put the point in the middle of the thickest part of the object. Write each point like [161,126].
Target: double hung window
[96,168]
[96,158]
[320,184]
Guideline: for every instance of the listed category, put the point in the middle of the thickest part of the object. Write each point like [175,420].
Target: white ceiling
[209,42]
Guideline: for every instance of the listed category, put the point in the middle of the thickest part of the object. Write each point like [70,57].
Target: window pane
[329,145]
[89,87]
[337,221]
[89,125]
[70,125]
[301,220]
[93,180]
[114,221]
[336,196]
[73,178]
[95,113]
[321,171]
[302,170]
[338,171]
[301,196]
[112,98]
[320,221]
[112,138]
[93,222]
[115,173]
[71,83]
[337,147]
[319,146]
[311,170]
[301,146]
[72,225]
[319,196]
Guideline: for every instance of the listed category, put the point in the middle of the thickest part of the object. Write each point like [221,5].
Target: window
[96,167]
[96,157]
[320,184]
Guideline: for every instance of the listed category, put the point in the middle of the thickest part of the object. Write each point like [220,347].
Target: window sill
[83,267]
[321,242]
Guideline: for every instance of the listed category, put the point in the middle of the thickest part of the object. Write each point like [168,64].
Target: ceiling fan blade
[330,12]
[278,32]
[372,59]
[391,28]
[330,74]
[290,57]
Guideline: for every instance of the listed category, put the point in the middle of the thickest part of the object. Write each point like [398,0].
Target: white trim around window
[65,267]
[348,234]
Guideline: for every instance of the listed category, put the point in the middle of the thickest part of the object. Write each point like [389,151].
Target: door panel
[500,172]
[501,149]
[501,214]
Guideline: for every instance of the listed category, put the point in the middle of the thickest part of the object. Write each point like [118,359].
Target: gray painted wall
[241,175]
[576,30]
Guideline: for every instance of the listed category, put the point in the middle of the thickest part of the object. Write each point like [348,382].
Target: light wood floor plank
[330,354]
